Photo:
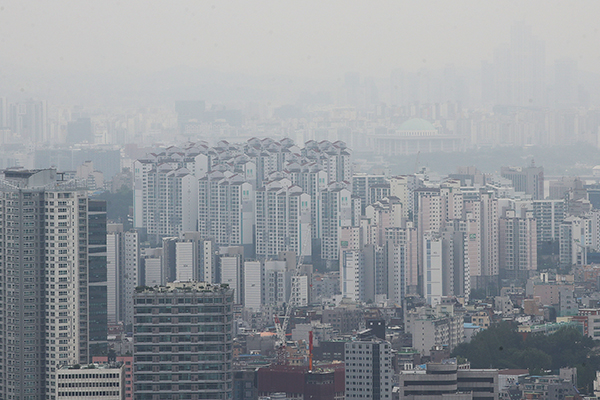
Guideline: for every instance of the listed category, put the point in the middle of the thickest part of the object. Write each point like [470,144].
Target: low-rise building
[94,381]
[440,326]
[448,380]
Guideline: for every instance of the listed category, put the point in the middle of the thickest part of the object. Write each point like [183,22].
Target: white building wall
[432,269]
[153,272]
[186,260]
[231,274]
[189,203]
[253,285]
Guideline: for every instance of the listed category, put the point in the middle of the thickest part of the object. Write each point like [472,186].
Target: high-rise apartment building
[283,217]
[54,267]
[362,185]
[165,197]
[352,275]
[402,273]
[549,214]
[432,268]
[226,209]
[517,245]
[183,342]
[335,213]
[489,214]
[123,272]
[575,240]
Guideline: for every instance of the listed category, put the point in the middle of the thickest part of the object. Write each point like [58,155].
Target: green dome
[417,124]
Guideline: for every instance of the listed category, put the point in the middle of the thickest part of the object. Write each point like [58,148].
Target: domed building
[413,136]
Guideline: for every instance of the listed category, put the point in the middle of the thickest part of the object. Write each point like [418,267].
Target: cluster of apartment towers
[234,213]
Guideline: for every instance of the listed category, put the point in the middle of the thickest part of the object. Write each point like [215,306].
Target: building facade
[183,341]
[49,228]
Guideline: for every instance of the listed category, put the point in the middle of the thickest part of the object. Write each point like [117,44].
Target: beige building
[94,381]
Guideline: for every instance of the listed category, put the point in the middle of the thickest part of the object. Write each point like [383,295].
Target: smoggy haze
[302,38]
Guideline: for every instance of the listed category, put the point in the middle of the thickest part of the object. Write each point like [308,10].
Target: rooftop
[189,286]
[417,124]
[95,366]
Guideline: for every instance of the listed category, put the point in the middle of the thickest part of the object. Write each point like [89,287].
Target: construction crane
[281,326]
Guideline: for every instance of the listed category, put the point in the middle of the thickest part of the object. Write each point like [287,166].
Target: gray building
[448,380]
[53,252]
[368,369]
[529,180]
[183,341]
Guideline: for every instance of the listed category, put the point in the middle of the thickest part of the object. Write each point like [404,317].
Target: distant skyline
[309,38]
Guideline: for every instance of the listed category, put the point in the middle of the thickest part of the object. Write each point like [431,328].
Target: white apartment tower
[432,268]
[232,275]
[226,209]
[402,273]
[489,234]
[335,213]
[165,197]
[352,274]
[283,214]
[517,245]
[253,274]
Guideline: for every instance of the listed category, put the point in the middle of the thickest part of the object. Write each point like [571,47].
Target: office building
[50,233]
[297,382]
[183,341]
[529,180]
[127,362]
[448,379]
[94,381]
[97,277]
[368,369]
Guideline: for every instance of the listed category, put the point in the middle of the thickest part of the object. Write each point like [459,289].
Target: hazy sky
[303,38]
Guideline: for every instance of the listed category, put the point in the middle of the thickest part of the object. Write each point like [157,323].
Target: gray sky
[303,38]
